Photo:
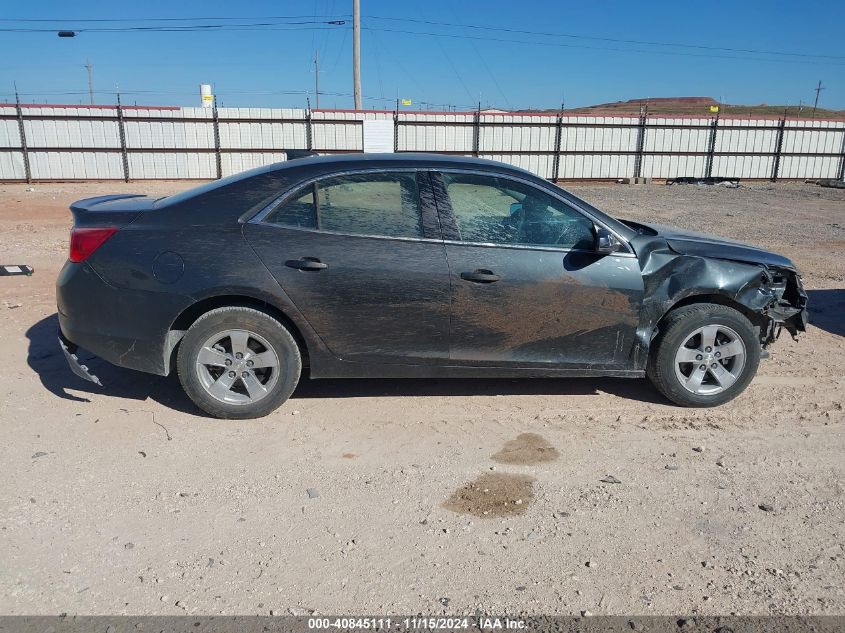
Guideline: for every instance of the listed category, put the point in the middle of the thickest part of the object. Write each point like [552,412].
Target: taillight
[84,241]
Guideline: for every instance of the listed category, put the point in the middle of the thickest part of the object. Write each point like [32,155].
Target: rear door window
[371,204]
[383,204]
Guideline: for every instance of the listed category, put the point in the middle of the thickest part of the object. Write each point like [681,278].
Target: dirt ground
[429,496]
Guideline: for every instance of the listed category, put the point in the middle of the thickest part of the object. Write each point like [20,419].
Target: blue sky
[464,64]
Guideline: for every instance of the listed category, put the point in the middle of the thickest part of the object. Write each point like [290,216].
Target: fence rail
[134,143]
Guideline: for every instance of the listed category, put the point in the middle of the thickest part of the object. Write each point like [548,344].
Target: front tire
[705,355]
[238,363]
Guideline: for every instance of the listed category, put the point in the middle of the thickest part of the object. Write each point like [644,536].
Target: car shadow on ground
[827,310]
[639,390]
[46,359]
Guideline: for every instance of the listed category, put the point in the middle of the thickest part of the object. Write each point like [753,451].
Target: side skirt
[362,370]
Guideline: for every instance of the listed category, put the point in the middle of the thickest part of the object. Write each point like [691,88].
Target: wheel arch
[757,319]
[193,312]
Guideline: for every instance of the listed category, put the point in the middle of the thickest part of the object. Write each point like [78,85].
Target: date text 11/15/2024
[418,623]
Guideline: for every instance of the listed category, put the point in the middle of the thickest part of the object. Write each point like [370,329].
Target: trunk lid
[115,210]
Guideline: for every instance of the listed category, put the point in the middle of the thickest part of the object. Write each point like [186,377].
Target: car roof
[417,159]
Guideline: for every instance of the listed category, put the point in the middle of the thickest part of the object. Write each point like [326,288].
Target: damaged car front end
[783,302]
[680,267]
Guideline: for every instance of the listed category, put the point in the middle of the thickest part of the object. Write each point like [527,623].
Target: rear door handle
[481,276]
[306,263]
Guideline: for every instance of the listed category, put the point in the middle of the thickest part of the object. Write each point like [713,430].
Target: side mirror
[606,242]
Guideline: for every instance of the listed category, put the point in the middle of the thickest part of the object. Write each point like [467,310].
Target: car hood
[703,245]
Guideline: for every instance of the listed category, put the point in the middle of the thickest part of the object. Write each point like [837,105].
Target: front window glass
[502,211]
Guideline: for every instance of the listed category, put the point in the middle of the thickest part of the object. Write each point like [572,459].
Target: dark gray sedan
[410,265]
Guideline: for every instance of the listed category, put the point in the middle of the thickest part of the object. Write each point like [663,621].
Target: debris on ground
[730,183]
[828,182]
[7,270]
[610,479]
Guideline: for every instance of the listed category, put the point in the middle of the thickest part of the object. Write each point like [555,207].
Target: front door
[353,254]
[527,287]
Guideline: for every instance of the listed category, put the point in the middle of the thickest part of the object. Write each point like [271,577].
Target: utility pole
[90,68]
[819,88]
[317,76]
[356,51]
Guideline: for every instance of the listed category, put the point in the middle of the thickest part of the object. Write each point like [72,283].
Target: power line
[216,28]
[605,39]
[221,18]
[429,22]
[604,48]
[340,51]
[229,92]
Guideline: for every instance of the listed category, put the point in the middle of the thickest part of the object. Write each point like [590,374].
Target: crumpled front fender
[773,295]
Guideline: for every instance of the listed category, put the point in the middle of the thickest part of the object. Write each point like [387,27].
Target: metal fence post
[638,159]
[396,128]
[476,131]
[558,135]
[309,136]
[841,172]
[778,147]
[711,147]
[217,142]
[22,131]
[122,133]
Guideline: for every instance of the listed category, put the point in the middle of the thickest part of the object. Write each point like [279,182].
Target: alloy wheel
[237,367]
[710,360]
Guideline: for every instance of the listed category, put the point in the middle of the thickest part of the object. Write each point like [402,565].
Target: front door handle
[306,263]
[481,276]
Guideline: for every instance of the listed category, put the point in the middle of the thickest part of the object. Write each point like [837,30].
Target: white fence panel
[808,167]
[596,134]
[235,162]
[75,165]
[540,164]
[667,166]
[11,166]
[598,166]
[743,166]
[341,130]
[441,132]
[262,128]
[169,142]
[172,165]
[9,133]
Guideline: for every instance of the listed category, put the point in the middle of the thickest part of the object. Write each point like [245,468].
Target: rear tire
[238,363]
[705,355]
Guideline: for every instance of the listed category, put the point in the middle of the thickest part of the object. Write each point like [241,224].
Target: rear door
[527,287]
[361,257]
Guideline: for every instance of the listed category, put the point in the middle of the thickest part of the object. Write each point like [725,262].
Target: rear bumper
[128,328]
[76,367]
